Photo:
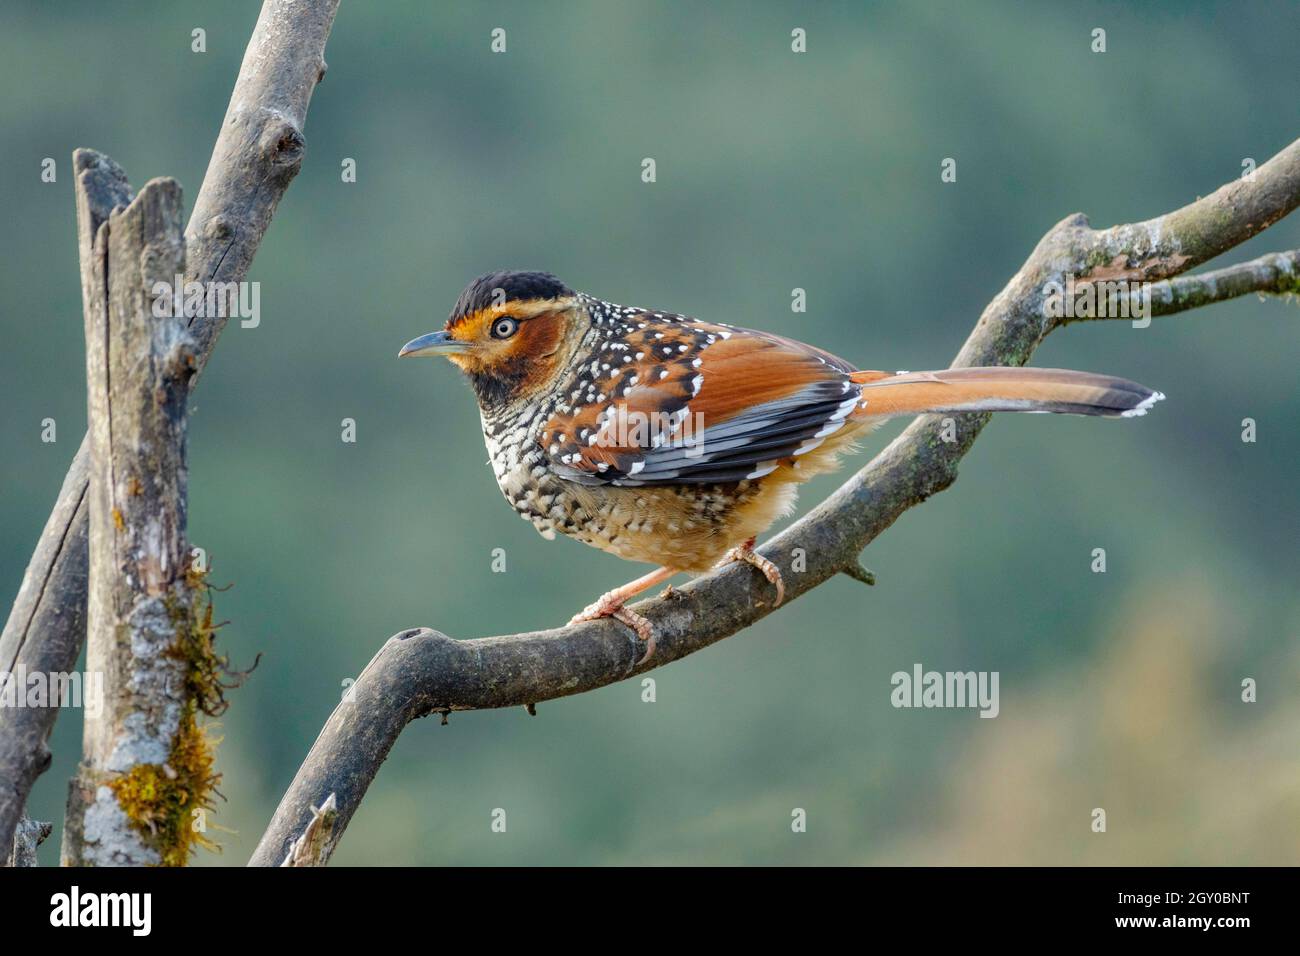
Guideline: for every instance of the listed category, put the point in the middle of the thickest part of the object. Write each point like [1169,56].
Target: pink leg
[610,604]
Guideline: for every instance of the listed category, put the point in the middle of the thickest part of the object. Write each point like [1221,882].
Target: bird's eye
[504,327]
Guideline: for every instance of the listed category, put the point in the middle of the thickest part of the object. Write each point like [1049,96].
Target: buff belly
[684,527]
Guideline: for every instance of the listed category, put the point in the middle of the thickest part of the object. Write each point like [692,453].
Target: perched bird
[666,439]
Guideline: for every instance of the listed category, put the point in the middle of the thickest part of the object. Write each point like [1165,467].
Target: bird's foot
[610,604]
[747,554]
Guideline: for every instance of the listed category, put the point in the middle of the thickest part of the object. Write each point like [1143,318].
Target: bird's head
[510,332]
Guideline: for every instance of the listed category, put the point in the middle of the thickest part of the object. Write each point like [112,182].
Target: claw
[748,555]
[611,604]
[644,630]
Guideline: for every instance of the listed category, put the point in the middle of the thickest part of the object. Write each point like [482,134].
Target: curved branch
[421,671]
[1180,240]
[258,150]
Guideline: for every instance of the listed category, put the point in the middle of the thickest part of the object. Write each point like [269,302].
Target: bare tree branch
[54,589]
[309,849]
[1277,273]
[29,835]
[260,148]
[421,671]
[138,368]
[1181,240]
[258,151]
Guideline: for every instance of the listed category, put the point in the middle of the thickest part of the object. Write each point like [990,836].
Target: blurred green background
[775,170]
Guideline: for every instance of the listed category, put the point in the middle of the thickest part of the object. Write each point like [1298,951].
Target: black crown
[513,286]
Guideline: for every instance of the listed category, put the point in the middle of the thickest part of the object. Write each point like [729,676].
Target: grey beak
[435,343]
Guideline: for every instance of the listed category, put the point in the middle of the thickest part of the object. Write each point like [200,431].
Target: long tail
[998,389]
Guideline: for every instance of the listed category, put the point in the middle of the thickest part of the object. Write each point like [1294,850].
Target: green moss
[166,801]
[1096,257]
[205,670]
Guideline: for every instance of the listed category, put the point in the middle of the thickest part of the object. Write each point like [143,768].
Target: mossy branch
[146,763]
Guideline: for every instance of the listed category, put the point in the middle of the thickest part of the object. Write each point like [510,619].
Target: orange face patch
[522,357]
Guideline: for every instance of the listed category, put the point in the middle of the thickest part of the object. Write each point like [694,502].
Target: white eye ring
[504,327]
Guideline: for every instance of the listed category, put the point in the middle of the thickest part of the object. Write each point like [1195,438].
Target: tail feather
[998,389]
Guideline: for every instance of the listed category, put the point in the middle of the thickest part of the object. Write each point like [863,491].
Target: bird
[675,441]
